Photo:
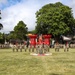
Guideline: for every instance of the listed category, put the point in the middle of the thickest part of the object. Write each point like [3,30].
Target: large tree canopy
[20,30]
[54,19]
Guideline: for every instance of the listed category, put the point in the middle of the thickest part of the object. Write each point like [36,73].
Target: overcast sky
[13,11]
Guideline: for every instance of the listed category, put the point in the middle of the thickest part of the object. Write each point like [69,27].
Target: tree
[2,39]
[11,35]
[32,32]
[20,30]
[54,19]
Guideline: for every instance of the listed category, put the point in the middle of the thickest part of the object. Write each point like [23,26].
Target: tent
[66,38]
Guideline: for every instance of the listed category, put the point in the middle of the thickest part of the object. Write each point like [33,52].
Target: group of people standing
[38,48]
[57,46]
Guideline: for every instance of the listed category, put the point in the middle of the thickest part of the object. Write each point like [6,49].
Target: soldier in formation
[66,47]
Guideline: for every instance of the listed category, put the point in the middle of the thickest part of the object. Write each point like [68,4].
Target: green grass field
[22,63]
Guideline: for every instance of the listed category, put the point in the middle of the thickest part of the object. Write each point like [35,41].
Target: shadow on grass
[54,74]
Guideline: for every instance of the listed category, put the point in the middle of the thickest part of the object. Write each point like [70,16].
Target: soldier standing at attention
[16,46]
[66,47]
[25,47]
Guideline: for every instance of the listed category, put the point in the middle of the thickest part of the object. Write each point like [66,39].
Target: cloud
[71,4]
[3,1]
[23,10]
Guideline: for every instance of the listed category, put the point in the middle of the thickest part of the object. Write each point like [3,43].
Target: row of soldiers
[38,48]
[65,46]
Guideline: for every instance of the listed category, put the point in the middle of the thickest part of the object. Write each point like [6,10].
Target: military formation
[57,47]
[38,48]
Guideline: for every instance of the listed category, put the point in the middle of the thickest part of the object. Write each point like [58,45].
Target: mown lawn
[22,63]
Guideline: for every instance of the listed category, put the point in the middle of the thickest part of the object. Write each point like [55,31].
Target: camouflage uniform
[37,47]
[40,49]
[66,47]
[20,48]
[56,47]
[13,48]
[25,48]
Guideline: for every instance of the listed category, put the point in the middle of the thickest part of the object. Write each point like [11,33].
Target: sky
[13,11]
